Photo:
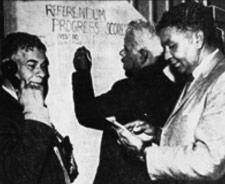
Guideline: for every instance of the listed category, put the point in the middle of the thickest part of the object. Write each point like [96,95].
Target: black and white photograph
[112,92]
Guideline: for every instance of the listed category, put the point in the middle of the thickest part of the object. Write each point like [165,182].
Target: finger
[88,54]
[119,142]
[22,84]
[80,49]
[38,94]
[141,125]
[135,126]
[150,129]
[126,134]
[122,141]
[146,138]
[83,48]
[138,130]
[79,53]
[119,131]
[114,128]
[22,87]
[131,124]
[26,95]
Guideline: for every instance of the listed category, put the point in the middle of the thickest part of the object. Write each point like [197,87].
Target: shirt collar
[169,74]
[205,66]
[10,91]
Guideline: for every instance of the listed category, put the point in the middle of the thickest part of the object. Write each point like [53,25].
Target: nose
[41,72]
[167,54]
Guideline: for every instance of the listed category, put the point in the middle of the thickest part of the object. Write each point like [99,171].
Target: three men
[146,94]
[192,144]
[30,151]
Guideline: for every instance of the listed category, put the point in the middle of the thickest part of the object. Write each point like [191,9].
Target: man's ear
[145,55]
[200,38]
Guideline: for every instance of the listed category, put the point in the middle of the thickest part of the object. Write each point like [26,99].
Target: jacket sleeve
[203,159]
[91,111]
[23,150]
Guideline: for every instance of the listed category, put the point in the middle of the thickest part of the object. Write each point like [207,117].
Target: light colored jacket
[192,146]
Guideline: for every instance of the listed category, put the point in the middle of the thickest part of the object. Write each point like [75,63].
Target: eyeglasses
[122,53]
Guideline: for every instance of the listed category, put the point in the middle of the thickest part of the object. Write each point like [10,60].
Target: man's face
[181,49]
[131,57]
[32,66]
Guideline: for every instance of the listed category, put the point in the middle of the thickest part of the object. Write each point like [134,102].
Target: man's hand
[82,59]
[137,135]
[142,129]
[129,140]
[31,98]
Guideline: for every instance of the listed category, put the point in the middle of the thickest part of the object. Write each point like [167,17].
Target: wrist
[142,153]
[83,71]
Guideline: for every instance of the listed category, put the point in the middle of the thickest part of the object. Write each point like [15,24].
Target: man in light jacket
[192,142]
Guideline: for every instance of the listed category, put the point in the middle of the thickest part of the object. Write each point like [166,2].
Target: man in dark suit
[146,94]
[30,151]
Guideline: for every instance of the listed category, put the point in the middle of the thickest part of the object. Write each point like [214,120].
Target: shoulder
[216,82]
[123,83]
[152,75]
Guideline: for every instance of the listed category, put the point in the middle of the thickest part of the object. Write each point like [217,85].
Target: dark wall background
[1,27]
[153,10]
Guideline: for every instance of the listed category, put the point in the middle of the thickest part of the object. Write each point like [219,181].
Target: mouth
[36,84]
[174,63]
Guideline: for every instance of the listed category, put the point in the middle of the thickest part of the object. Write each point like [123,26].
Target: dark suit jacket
[26,147]
[149,92]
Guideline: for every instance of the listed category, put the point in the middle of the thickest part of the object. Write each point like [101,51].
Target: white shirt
[10,91]
[169,74]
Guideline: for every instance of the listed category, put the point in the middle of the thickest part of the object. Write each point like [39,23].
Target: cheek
[192,55]
[24,73]
[180,53]
[128,59]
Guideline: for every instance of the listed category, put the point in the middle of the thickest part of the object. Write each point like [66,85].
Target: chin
[179,69]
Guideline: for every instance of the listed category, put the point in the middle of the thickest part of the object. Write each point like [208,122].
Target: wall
[64,26]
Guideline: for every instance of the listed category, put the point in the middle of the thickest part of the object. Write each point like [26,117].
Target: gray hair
[144,35]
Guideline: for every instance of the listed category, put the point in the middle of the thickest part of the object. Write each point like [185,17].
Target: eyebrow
[35,61]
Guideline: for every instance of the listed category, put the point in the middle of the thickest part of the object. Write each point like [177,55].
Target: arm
[25,140]
[136,136]
[203,159]
[83,92]
[91,111]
